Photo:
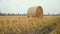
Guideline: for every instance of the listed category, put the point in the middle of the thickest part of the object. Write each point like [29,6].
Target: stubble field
[25,25]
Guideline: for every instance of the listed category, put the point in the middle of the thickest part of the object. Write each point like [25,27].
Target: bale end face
[35,12]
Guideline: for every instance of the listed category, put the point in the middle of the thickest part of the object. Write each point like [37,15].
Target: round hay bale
[35,12]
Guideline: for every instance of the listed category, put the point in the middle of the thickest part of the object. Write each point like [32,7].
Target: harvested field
[25,25]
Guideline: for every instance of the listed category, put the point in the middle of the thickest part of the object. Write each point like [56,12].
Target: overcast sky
[22,6]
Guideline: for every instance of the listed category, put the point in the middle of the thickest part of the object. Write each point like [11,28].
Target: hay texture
[35,11]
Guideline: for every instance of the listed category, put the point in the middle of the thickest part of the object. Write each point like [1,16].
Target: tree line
[4,14]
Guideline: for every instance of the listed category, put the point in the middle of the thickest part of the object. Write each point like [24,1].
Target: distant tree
[48,14]
[0,12]
[8,14]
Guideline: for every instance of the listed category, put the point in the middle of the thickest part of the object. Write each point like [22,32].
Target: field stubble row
[24,25]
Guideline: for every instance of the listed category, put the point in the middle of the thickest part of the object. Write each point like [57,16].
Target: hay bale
[35,12]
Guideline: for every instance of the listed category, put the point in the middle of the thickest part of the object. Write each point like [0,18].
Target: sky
[22,6]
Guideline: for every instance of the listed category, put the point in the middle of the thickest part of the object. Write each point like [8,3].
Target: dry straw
[35,11]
